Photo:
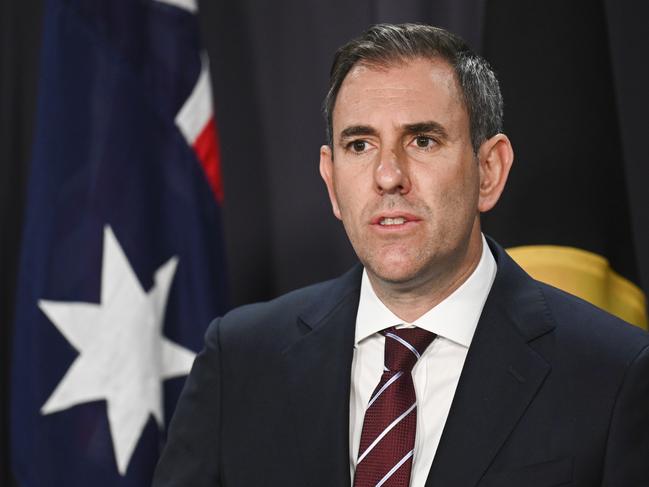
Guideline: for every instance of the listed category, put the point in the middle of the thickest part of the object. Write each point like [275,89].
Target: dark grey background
[574,76]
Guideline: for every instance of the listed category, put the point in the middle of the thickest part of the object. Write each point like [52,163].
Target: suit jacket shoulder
[594,334]
[536,309]
[269,393]
[274,325]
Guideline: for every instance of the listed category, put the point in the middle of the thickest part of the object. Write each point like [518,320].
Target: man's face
[403,177]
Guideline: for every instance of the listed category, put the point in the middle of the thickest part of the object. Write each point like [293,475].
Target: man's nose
[391,172]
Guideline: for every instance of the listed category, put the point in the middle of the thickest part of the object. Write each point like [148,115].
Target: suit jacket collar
[514,293]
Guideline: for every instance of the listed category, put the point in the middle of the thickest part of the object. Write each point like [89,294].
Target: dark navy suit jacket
[553,392]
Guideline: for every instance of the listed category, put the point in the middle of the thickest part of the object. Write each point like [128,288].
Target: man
[439,362]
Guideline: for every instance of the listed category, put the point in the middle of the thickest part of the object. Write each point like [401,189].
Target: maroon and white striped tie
[388,437]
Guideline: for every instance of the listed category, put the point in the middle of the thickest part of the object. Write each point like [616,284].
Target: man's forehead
[420,86]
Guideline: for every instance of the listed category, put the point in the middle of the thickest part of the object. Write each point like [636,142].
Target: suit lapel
[501,375]
[318,368]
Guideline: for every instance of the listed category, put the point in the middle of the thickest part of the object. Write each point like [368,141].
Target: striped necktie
[388,437]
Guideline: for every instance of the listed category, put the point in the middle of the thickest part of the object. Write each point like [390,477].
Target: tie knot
[404,346]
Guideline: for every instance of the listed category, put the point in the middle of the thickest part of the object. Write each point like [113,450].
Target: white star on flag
[123,356]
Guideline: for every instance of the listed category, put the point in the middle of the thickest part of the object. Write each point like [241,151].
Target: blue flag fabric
[122,260]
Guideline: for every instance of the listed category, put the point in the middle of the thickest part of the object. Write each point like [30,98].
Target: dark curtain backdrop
[574,78]
[20,22]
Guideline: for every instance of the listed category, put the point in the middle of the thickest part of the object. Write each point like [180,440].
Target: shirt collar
[455,318]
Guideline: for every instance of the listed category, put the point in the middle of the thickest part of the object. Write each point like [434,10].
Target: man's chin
[398,274]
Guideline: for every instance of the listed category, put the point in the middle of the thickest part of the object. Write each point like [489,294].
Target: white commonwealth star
[123,356]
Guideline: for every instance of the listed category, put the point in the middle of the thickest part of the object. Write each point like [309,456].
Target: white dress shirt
[437,372]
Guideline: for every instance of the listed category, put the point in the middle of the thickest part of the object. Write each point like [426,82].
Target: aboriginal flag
[574,213]
[122,256]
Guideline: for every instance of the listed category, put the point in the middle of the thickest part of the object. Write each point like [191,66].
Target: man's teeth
[392,221]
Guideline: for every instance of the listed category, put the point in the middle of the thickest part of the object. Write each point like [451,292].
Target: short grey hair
[385,44]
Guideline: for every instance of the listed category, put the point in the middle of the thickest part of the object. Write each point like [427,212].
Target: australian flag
[122,256]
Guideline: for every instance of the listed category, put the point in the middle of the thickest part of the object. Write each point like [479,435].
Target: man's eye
[359,145]
[424,142]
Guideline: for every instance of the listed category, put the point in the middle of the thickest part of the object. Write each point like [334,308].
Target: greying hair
[385,44]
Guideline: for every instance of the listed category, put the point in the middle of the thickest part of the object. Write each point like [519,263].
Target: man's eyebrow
[424,128]
[356,130]
[410,128]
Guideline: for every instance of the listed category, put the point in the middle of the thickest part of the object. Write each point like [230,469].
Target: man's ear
[327,173]
[495,158]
